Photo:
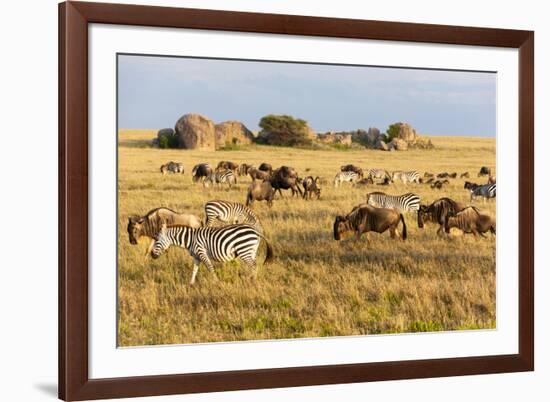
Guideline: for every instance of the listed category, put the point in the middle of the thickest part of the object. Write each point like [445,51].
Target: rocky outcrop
[335,138]
[407,133]
[195,131]
[373,135]
[232,133]
[399,144]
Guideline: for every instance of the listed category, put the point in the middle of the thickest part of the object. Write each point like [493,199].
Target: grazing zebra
[401,203]
[230,213]
[484,191]
[342,177]
[411,176]
[172,167]
[223,176]
[207,244]
[379,174]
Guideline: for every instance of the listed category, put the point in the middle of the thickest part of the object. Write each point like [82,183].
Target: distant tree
[283,130]
[393,131]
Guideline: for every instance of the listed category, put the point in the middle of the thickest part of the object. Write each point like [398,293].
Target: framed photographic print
[260,200]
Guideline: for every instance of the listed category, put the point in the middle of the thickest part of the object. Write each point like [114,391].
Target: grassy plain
[316,286]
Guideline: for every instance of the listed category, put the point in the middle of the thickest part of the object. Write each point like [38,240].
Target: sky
[153,92]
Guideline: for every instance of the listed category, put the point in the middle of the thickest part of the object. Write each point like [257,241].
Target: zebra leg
[196,263]
[206,261]
[251,265]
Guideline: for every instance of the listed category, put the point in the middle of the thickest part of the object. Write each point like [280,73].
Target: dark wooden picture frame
[74,381]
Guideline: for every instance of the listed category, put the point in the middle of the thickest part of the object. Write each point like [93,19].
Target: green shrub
[283,130]
[168,141]
[393,131]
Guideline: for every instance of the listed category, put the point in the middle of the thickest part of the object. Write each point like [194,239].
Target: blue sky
[154,92]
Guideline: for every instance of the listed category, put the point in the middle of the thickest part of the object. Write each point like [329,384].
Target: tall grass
[316,286]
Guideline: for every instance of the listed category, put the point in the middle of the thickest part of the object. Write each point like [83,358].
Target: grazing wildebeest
[201,172]
[411,176]
[365,218]
[149,224]
[260,192]
[208,244]
[266,167]
[484,171]
[471,220]
[492,180]
[227,165]
[365,181]
[437,212]
[439,183]
[352,168]
[428,174]
[172,167]
[343,177]
[244,168]
[257,174]
[465,174]
[311,186]
[442,175]
[430,180]
[285,178]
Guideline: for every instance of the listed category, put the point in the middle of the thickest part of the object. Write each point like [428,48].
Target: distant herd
[232,230]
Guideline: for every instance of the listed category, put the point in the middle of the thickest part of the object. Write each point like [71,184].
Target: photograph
[263,200]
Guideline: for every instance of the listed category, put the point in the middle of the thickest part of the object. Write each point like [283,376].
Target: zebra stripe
[485,191]
[207,244]
[342,177]
[402,203]
[378,174]
[411,176]
[230,213]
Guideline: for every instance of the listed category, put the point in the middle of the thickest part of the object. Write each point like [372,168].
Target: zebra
[411,176]
[219,244]
[172,167]
[230,213]
[342,177]
[402,203]
[379,174]
[221,176]
[485,191]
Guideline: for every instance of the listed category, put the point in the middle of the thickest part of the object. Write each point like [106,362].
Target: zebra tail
[269,252]
[404,226]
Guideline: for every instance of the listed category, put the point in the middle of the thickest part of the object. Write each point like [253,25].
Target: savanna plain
[316,286]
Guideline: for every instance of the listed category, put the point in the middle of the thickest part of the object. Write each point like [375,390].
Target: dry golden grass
[316,286]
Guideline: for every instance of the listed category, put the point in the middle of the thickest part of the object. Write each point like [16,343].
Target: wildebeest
[439,184]
[227,165]
[257,174]
[437,212]
[172,167]
[311,186]
[445,175]
[428,174]
[266,167]
[150,224]
[285,178]
[465,174]
[484,171]
[471,220]
[243,169]
[260,191]
[201,172]
[352,168]
[365,218]
[365,181]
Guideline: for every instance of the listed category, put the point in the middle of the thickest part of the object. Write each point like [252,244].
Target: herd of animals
[241,231]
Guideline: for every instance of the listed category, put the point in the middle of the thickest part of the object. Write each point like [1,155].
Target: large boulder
[232,133]
[372,135]
[381,145]
[407,133]
[195,131]
[399,144]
